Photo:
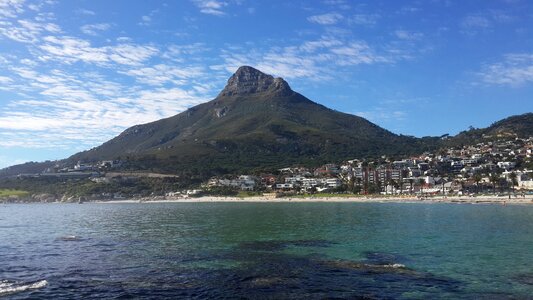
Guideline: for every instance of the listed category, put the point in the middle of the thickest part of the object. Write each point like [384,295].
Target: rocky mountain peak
[248,80]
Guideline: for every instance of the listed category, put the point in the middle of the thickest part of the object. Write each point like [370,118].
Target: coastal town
[491,167]
[503,167]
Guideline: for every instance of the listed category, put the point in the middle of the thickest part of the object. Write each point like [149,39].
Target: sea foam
[9,287]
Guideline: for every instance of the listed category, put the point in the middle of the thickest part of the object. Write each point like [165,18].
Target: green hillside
[243,129]
[511,127]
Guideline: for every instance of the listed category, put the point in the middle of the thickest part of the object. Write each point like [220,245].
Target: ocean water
[266,251]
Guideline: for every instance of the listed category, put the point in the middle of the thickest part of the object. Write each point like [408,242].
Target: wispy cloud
[71,49]
[392,112]
[342,4]
[326,19]
[211,7]
[515,70]
[408,35]
[11,8]
[161,74]
[57,103]
[26,31]
[485,20]
[87,12]
[315,59]
[86,109]
[364,19]
[145,20]
[408,10]
[475,22]
[93,29]
[381,115]
[5,80]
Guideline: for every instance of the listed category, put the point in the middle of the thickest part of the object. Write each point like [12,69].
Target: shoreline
[261,199]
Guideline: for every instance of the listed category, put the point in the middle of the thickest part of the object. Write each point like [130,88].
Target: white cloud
[391,112]
[338,3]
[211,7]
[382,116]
[85,110]
[326,19]
[45,17]
[359,51]
[475,22]
[161,74]
[93,29]
[124,39]
[145,20]
[515,70]
[175,51]
[71,49]
[324,42]
[11,8]
[26,31]
[485,20]
[408,35]
[364,19]
[28,62]
[130,54]
[87,12]
[316,59]
[5,80]
[409,10]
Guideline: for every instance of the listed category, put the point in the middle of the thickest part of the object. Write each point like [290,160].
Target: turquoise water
[266,250]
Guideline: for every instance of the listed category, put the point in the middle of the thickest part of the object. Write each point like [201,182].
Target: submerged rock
[526,278]
[373,268]
[279,245]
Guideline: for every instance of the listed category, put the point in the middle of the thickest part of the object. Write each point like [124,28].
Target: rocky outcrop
[44,198]
[248,80]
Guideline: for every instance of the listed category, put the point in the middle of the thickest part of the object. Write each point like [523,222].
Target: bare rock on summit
[248,80]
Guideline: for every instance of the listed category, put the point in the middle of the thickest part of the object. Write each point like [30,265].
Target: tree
[477,178]
[351,183]
[494,179]
[514,181]
[373,188]
[502,182]
[411,181]
[421,181]
[358,187]
[393,183]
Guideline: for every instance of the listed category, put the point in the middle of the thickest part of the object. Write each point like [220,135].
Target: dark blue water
[266,250]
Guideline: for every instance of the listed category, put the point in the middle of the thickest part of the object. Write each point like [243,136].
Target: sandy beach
[528,199]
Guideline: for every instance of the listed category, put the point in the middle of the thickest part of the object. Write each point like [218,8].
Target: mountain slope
[521,126]
[511,127]
[256,121]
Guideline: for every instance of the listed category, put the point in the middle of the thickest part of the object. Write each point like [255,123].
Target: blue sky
[74,74]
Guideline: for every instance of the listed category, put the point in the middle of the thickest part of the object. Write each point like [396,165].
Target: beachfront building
[243,182]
